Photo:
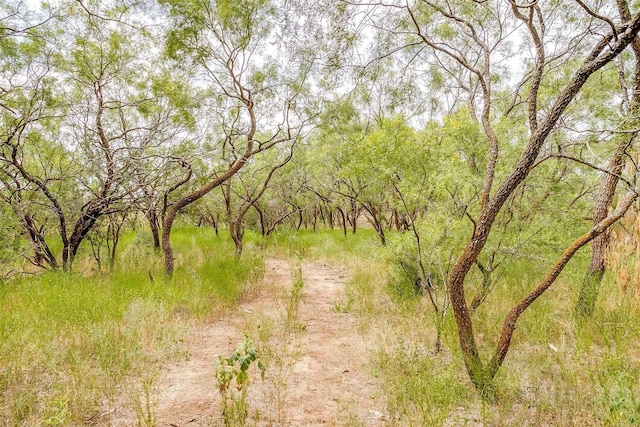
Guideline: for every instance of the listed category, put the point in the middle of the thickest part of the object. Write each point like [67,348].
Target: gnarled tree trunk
[586,303]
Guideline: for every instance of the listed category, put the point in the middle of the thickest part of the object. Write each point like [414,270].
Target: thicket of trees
[472,135]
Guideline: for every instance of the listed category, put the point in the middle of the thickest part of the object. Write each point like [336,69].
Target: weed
[343,306]
[293,301]
[618,396]
[58,412]
[353,419]
[145,405]
[232,381]
[419,387]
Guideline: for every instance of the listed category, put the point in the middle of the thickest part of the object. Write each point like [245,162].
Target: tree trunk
[586,302]
[152,218]
[327,217]
[593,277]
[353,214]
[343,220]
[42,252]
[167,249]
[114,230]
[238,244]
[480,377]
[263,230]
[215,222]
[236,230]
[374,219]
[236,233]
[84,224]
[300,219]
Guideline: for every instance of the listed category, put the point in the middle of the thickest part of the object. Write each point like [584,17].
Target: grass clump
[420,388]
[618,394]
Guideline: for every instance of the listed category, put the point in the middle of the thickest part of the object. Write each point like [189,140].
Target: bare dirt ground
[316,370]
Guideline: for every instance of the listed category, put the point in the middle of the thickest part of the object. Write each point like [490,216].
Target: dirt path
[316,374]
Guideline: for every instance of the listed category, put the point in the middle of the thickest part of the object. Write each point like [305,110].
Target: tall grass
[71,342]
[559,372]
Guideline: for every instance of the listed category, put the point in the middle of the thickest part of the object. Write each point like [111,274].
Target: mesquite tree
[83,122]
[251,104]
[625,138]
[472,43]
[250,185]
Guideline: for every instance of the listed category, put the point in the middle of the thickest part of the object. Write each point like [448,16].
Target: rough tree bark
[510,320]
[152,218]
[603,53]
[586,301]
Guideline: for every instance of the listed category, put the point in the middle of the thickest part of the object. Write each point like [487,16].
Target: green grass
[69,341]
[325,244]
[420,388]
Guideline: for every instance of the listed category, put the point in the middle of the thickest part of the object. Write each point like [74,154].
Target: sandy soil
[316,372]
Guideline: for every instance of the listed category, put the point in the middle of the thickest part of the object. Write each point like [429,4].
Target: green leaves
[238,14]
[235,370]
[180,95]
[199,25]
[236,366]
[189,20]
[446,31]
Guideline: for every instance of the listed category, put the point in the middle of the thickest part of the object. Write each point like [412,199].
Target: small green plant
[235,369]
[144,405]
[293,302]
[342,306]
[58,412]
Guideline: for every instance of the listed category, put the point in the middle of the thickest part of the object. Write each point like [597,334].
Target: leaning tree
[251,102]
[483,54]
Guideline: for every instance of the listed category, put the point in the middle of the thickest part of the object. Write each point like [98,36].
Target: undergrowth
[68,342]
[71,343]
[560,371]
[326,244]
